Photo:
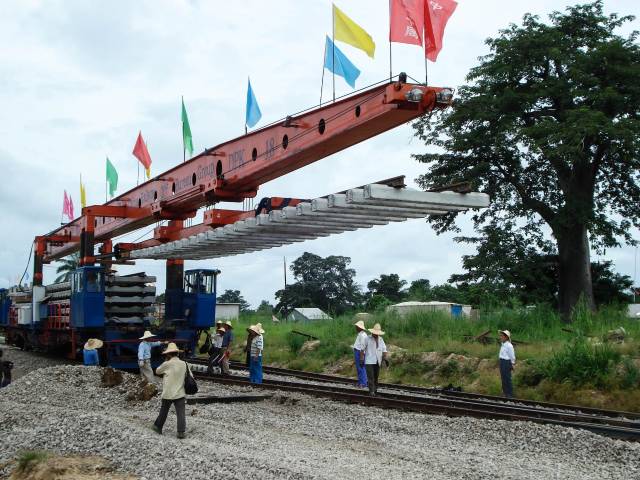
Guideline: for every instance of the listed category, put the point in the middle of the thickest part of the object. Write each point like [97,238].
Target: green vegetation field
[581,366]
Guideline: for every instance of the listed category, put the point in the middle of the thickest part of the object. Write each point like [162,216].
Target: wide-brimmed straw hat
[172,348]
[259,325]
[228,323]
[220,329]
[147,334]
[255,329]
[360,325]
[93,343]
[219,322]
[506,332]
[376,330]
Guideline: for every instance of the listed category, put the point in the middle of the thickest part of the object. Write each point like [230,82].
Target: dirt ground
[55,467]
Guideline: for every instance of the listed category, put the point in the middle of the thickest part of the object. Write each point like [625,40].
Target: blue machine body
[193,310]
[87,297]
[5,305]
[199,298]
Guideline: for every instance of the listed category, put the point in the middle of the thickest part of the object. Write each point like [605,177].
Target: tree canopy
[233,296]
[327,283]
[66,267]
[389,286]
[549,127]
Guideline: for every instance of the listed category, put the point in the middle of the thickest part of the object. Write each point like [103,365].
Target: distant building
[454,309]
[633,311]
[227,311]
[307,315]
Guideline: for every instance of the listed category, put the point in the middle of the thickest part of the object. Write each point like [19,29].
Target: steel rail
[322,377]
[449,407]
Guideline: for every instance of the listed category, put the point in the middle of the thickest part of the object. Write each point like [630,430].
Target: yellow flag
[348,31]
[83,194]
[148,170]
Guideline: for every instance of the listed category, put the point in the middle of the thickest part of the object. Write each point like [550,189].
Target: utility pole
[284,265]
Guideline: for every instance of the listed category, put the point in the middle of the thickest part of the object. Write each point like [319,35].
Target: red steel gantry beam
[234,170]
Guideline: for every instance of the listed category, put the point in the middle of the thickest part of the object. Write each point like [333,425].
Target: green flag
[112,177]
[187,141]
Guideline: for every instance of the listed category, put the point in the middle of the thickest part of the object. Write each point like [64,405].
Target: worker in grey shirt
[144,355]
[507,359]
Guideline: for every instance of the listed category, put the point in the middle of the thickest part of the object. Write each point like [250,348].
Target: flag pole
[426,69]
[184,152]
[324,57]
[390,58]
[333,48]
[138,177]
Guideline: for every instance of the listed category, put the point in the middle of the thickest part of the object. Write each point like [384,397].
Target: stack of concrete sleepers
[129,298]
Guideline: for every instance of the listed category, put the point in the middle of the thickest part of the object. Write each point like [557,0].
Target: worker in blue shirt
[144,355]
[90,351]
[227,339]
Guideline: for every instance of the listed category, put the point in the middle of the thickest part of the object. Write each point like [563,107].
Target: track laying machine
[97,302]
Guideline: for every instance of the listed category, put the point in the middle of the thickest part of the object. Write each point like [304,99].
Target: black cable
[26,268]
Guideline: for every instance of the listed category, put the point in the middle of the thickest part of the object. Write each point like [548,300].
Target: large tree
[549,127]
[508,267]
[326,283]
[234,296]
[390,286]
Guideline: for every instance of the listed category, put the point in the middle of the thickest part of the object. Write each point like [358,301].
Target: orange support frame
[234,170]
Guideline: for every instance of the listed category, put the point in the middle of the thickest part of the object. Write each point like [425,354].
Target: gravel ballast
[65,409]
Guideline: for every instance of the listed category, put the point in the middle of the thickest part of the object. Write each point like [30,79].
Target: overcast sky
[78,79]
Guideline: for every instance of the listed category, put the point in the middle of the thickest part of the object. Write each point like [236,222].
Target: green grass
[30,458]
[576,366]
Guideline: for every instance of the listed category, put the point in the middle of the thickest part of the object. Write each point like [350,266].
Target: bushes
[295,342]
[582,363]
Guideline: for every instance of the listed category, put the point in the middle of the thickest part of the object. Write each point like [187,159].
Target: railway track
[325,378]
[433,401]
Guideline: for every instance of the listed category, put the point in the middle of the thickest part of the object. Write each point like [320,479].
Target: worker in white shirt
[375,354]
[507,358]
[359,347]
[173,372]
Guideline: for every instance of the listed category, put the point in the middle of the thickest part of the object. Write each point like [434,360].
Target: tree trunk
[574,270]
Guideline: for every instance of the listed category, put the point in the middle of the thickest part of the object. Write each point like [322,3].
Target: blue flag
[253,110]
[343,67]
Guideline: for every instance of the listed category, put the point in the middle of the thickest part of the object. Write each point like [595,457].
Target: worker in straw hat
[90,351]
[144,355]
[359,348]
[375,354]
[227,340]
[256,346]
[173,372]
[507,359]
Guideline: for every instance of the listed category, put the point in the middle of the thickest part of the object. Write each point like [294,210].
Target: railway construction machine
[98,303]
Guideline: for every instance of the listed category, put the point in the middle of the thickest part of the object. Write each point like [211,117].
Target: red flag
[141,153]
[71,216]
[407,21]
[436,15]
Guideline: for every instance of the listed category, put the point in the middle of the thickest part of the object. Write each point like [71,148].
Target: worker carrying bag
[190,385]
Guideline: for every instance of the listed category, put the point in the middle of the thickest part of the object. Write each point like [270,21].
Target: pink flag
[71,215]
[65,205]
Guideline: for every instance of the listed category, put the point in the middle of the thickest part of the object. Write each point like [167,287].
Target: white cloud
[79,79]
